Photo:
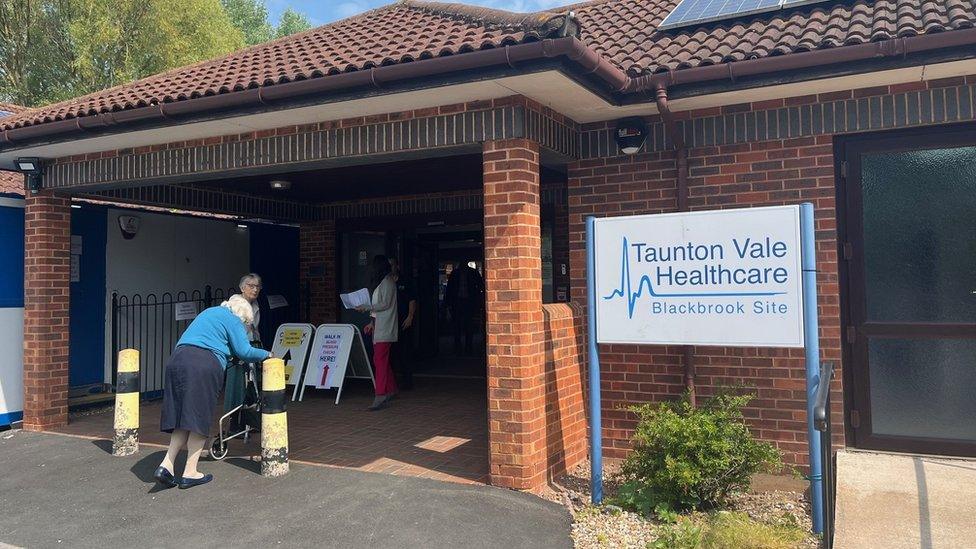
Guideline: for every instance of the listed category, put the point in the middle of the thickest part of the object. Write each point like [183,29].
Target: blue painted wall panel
[87,326]
[12,257]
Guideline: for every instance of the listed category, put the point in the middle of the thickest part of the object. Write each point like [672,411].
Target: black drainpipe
[681,152]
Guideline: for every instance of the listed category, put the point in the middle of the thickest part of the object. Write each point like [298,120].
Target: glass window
[919,211]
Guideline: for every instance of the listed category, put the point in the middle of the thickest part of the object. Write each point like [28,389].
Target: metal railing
[149,323]
[821,422]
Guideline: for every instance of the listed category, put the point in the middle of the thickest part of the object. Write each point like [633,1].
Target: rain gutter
[681,154]
[588,61]
[584,63]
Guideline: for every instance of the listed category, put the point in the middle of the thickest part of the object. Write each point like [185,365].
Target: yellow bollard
[126,440]
[274,420]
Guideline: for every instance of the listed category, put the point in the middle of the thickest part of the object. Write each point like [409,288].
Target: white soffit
[550,88]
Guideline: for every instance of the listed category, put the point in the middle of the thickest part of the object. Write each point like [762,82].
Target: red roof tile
[7,109]
[11,183]
[397,33]
[624,31]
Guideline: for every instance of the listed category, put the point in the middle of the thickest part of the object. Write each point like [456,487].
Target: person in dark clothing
[407,310]
[465,297]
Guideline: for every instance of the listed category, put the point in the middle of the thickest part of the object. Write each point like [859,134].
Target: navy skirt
[194,379]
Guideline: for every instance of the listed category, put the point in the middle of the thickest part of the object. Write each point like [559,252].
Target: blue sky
[326,11]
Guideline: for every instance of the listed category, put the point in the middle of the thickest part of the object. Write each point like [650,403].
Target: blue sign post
[596,420]
[811,341]
[666,244]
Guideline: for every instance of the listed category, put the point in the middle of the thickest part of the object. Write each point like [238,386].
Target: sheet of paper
[355,299]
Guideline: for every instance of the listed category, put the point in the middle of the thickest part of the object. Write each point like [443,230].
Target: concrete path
[59,491]
[893,501]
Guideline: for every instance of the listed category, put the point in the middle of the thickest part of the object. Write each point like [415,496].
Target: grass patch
[727,530]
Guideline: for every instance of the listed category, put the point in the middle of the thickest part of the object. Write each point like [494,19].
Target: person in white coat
[384,329]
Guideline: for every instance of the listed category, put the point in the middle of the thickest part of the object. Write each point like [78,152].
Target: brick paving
[439,430]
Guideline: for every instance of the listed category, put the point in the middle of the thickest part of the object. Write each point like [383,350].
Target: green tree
[35,51]
[122,40]
[291,23]
[52,50]
[251,18]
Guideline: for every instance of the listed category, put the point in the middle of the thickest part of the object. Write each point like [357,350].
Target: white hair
[240,307]
[249,277]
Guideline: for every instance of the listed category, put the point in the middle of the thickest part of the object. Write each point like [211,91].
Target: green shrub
[691,458]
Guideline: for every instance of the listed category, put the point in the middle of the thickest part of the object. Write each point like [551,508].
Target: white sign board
[337,353]
[277,301]
[186,310]
[75,268]
[291,344]
[77,244]
[724,277]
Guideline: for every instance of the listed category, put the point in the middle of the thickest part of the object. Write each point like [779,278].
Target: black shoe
[164,477]
[191,482]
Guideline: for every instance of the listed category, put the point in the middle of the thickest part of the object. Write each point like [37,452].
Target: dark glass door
[358,250]
[427,299]
[911,296]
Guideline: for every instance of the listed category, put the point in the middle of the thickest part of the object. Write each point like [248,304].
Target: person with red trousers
[384,329]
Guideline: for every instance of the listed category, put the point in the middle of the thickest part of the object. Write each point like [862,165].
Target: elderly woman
[250,286]
[194,376]
[235,384]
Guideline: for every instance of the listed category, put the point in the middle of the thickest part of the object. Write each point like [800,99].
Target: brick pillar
[318,270]
[516,349]
[47,245]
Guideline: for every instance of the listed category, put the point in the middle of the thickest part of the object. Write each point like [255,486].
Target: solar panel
[702,11]
[693,12]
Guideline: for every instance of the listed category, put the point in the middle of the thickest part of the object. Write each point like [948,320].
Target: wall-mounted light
[280,184]
[241,226]
[29,164]
[630,134]
[31,167]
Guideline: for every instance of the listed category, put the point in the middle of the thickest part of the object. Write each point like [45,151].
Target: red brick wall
[513,283]
[317,271]
[565,370]
[47,242]
[755,174]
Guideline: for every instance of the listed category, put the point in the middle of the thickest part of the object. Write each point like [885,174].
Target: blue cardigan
[218,330]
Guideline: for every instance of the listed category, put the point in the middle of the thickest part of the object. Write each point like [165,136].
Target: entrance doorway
[455,297]
[910,291]
[447,337]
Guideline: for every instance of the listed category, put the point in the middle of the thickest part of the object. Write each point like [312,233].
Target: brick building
[423,118]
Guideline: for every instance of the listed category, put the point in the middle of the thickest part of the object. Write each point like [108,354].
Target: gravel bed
[611,527]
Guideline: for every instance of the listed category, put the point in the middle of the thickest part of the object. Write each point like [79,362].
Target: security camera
[129,225]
